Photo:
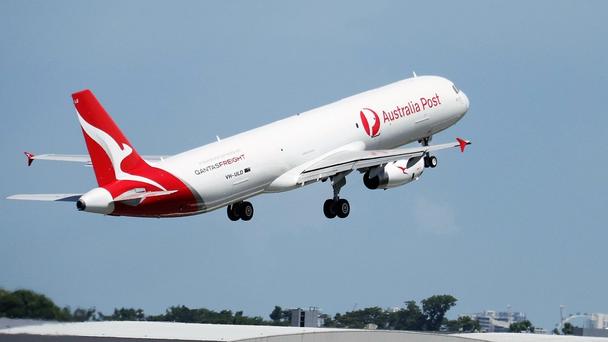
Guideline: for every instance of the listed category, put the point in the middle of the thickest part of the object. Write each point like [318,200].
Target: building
[590,332]
[597,321]
[593,324]
[306,318]
[497,321]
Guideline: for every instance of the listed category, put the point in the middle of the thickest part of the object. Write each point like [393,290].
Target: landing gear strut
[240,211]
[337,206]
[429,160]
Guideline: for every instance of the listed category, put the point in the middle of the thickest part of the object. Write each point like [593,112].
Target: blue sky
[517,220]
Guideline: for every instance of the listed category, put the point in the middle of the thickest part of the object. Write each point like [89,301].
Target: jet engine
[394,174]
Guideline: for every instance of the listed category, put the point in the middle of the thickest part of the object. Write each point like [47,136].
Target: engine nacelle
[394,174]
[98,200]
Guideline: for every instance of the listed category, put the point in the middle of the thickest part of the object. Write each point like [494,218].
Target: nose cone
[465,101]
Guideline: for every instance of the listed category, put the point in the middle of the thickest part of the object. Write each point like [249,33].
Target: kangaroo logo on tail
[114,152]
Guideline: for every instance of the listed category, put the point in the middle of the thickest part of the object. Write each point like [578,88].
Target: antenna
[218,137]
[414,73]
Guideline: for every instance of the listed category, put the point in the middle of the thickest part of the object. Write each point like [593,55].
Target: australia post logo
[370,122]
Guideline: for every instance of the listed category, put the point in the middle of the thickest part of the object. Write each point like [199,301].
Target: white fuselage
[268,158]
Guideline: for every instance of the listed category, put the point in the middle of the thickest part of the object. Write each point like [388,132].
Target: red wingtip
[463,143]
[30,158]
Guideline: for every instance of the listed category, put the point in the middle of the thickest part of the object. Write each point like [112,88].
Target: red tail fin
[111,153]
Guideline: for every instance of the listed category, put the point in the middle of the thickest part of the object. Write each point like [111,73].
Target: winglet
[30,158]
[463,143]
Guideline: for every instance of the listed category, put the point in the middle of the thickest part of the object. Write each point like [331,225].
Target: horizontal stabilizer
[78,158]
[132,197]
[46,197]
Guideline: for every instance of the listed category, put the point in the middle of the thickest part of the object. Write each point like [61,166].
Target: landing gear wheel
[430,161]
[342,208]
[233,212]
[246,211]
[329,208]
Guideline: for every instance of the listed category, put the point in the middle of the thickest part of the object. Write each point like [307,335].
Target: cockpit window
[455,89]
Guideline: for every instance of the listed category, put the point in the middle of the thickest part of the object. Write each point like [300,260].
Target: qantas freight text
[219,164]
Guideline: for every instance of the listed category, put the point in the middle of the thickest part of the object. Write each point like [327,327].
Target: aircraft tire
[233,212]
[433,161]
[246,211]
[329,208]
[342,208]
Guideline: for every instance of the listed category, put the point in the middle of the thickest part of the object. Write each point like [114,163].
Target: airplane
[365,133]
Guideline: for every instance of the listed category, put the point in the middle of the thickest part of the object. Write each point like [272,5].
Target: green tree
[568,329]
[523,326]
[280,316]
[178,314]
[276,314]
[126,314]
[202,315]
[358,319]
[409,318]
[434,309]
[82,315]
[29,304]
[328,322]
[241,319]
[463,324]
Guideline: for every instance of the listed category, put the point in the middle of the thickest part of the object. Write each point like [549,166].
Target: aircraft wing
[345,161]
[78,158]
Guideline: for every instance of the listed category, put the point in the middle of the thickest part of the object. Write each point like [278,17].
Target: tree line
[31,305]
[430,315]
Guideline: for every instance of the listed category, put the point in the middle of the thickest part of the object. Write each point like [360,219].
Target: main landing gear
[429,160]
[240,211]
[337,206]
